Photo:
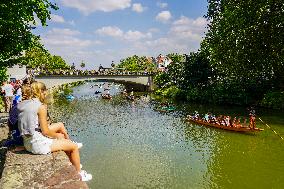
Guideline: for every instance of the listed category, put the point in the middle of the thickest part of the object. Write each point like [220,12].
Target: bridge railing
[89,73]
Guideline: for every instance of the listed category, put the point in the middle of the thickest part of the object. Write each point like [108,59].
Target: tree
[246,42]
[37,56]
[16,22]
[82,65]
[136,63]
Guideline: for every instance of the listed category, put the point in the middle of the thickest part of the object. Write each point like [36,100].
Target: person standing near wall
[8,91]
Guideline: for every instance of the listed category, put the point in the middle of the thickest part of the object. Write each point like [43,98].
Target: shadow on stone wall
[3,152]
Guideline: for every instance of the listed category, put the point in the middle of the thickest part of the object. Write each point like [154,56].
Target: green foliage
[246,40]
[161,79]
[172,92]
[273,100]
[177,58]
[3,75]
[37,56]
[16,19]
[197,71]
[82,64]
[137,64]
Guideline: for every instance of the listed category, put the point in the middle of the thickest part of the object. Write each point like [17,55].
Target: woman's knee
[65,145]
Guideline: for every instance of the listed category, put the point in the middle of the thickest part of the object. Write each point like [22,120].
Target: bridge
[57,80]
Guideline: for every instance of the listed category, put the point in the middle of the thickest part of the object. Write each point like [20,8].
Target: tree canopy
[136,63]
[16,22]
[38,57]
[246,40]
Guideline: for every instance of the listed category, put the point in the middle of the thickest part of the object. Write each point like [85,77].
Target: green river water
[130,145]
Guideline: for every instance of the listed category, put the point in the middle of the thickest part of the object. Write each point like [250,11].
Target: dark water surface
[130,145]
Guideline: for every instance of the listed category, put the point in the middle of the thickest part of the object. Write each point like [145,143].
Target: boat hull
[237,129]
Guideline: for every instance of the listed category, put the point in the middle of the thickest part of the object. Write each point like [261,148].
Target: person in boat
[196,115]
[206,118]
[38,136]
[212,119]
[252,121]
[107,95]
[223,120]
[238,123]
[219,119]
[131,93]
[233,122]
[124,92]
[245,122]
[165,104]
[227,121]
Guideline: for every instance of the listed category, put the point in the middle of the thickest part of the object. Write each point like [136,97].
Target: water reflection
[129,145]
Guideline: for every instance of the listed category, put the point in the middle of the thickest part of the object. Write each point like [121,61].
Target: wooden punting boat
[238,129]
[106,96]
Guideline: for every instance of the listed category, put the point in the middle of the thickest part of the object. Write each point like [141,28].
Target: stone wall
[22,169]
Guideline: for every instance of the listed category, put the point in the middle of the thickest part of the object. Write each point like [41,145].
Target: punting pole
[271,128]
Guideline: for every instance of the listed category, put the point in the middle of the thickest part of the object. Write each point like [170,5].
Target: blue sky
[102,31]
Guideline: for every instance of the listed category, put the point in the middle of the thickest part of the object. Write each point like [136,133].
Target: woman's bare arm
[42,117]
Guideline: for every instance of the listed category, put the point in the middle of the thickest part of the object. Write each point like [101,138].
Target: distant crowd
[70,72]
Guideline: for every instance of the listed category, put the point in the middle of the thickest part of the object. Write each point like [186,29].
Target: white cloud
[188,28]
[67,43]
[64,38]
[57,18]
[184,36]
[136,35]
[116,32]
[63,31]
[162,5]
[154,30]
[89,6]
[164,16]
[137,7]
[71,22]
[112,31]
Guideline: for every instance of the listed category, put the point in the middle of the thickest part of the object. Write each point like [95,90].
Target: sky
[101,31]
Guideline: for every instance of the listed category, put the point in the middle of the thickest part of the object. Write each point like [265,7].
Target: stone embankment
[22,169]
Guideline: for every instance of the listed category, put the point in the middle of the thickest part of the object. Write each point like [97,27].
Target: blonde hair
[37,89]
[26,91]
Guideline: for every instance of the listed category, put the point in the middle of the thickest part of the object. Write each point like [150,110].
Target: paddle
[270,128]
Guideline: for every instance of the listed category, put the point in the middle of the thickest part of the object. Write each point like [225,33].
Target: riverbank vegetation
[241,59]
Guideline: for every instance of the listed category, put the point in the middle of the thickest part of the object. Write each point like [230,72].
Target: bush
[172,92]
[161,79]
[273,100]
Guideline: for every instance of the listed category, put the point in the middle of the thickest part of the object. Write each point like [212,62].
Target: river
[130,145]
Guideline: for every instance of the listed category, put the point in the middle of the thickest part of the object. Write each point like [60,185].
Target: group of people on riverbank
[224,120]
[29,117]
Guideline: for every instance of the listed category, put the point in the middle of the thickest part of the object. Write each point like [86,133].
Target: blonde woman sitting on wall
[39,138]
